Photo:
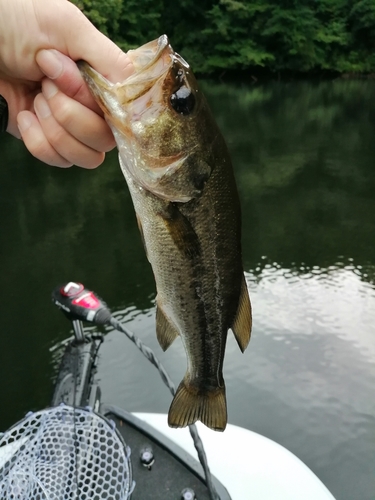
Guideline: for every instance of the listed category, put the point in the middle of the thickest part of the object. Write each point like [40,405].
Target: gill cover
[150,114]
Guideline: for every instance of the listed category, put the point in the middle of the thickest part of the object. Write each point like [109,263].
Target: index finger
[67,77]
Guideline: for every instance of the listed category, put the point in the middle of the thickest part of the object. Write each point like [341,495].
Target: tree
[217,35]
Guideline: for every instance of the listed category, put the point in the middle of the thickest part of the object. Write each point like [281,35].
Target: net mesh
[64,453]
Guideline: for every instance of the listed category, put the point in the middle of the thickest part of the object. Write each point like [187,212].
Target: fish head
[158,117]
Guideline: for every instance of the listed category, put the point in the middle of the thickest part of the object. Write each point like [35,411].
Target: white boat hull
[250,466]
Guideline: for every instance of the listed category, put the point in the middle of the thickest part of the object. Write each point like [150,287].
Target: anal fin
[166,331]
[241,326]
[191,404]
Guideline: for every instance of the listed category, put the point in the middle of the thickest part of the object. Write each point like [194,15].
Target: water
[304,159]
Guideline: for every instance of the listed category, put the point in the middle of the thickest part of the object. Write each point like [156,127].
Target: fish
[181,180]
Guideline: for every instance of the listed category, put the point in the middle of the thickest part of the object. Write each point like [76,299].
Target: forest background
[261,36]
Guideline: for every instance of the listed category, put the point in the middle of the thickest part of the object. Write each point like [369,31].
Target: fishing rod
[80,304]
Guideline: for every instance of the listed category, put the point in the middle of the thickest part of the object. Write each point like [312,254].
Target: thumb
[71,33]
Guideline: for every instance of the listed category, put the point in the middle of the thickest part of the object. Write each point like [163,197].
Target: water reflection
[304,159]
[306,380]
[336,300]
[302,381]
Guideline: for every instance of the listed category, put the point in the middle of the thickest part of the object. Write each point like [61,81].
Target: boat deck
[173,469]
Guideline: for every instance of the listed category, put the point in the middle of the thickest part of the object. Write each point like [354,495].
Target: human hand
[49,103]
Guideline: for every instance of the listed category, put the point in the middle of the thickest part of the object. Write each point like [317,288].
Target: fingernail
[41,107]
[49,89]
[23,122]
[50,63]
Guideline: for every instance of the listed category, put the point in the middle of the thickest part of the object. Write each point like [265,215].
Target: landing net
[64,453]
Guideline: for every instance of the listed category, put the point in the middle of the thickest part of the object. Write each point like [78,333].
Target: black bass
[181,180]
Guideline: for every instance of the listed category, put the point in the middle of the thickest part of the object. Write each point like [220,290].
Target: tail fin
[191,404]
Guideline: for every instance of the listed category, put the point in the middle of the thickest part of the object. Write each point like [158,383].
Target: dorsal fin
[242,322]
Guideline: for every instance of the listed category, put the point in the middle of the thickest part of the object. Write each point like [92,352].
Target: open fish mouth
[151,62]
[135,106]
[146,57]
[155,58]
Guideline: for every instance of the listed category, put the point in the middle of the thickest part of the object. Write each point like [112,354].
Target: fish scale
[179,173]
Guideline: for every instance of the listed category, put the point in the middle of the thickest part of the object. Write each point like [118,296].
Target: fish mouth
[151,62]
[135,104]
[144,58]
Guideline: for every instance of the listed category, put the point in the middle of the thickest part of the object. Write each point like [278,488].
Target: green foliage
[129,23]
[139,22]
[103,14]
[219,35]
[362,23]
[228,32]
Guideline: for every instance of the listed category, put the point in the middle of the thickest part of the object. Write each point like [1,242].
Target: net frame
[64,453]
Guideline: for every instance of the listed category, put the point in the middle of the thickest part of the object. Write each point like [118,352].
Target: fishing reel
[80,304]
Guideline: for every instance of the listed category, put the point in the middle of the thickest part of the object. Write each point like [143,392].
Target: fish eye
[183,101]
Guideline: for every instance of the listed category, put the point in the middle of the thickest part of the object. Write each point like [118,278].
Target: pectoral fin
[141,231]
[242,322]
[166,331]
[181,231]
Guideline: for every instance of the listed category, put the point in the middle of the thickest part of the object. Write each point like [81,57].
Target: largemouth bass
[180,177]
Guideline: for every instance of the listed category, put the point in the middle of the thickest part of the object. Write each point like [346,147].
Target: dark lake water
[304,158]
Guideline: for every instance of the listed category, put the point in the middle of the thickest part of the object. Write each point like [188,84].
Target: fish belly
[194,251]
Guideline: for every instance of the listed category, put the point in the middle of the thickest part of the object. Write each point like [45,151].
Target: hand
[49,103]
